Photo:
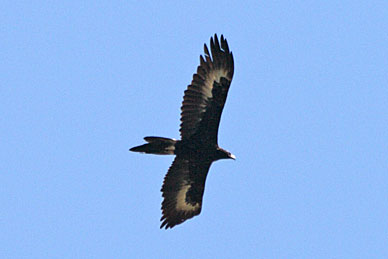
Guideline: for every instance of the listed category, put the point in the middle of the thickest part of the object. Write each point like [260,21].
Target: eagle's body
[202,106]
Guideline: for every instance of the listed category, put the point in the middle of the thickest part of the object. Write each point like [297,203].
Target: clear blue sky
[306,116]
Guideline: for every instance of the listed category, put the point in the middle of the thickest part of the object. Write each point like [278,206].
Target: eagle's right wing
[205,97]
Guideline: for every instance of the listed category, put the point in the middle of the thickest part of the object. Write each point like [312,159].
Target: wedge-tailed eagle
[202,106]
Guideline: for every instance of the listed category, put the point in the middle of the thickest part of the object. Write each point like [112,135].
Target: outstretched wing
[183,189]
[205,97]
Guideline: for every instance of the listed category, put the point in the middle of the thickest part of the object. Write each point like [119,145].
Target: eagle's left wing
[183,189]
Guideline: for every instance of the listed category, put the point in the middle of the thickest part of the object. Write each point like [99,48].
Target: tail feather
[157,146]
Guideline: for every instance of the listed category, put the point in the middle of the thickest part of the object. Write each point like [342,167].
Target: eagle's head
[224,154]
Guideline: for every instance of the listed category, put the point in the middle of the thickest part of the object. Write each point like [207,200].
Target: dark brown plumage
[202,107]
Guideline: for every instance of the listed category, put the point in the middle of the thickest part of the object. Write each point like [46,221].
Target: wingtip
[164,224]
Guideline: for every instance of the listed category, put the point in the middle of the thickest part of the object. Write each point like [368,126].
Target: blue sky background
[306,116]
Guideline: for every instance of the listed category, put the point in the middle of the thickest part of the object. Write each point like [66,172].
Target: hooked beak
[232,156]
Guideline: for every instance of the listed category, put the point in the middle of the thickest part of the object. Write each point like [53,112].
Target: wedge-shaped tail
[157,146]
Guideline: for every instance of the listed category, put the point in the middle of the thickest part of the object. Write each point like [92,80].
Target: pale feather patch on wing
[214,75]
[181,203]
[196,100]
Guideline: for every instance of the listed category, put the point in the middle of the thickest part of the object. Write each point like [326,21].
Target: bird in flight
[201,110]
